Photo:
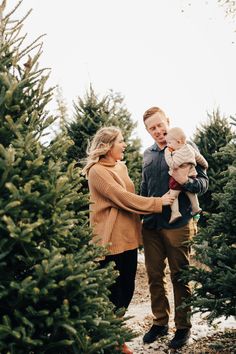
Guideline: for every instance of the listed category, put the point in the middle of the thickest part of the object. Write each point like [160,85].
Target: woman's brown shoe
[126,349]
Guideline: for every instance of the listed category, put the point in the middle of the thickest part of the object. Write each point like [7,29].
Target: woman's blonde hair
[101,143]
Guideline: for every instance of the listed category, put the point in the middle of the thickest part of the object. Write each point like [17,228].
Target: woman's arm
[106,185]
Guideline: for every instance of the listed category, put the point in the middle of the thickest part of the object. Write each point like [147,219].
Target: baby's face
[173,143]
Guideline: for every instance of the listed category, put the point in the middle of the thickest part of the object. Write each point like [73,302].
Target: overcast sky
[176,54]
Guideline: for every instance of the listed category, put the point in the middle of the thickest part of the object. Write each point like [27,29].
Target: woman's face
[117,150]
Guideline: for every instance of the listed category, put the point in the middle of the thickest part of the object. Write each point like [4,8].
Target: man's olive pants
[160,246]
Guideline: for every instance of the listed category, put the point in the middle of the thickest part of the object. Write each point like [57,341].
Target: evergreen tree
[230,7]
[62,108]
[210,138]
[215,276]
[133,160]
[54,297]
[91,113]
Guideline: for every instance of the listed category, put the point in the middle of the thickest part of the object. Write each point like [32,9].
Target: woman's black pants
[123,289]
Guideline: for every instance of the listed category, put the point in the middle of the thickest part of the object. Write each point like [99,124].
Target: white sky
[179,55]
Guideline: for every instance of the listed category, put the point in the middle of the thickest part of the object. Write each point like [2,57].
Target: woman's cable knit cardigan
[115,207]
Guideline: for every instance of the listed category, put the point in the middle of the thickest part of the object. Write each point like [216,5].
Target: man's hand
[181,174]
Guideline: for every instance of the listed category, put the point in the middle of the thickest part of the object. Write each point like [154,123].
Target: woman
[115,208]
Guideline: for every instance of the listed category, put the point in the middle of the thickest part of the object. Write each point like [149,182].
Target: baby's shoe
[195,212]
[174,217]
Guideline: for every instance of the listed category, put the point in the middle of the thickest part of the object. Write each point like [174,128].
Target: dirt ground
[217,339]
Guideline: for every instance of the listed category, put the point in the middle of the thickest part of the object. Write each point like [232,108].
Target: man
[163,240]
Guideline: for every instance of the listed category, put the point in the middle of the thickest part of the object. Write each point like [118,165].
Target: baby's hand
[171,149]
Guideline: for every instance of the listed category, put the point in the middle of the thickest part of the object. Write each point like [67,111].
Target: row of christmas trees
[215,244]
[53,296]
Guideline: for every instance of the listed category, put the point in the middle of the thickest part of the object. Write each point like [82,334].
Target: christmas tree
[54,296]
[213,135]
[93,112]
[215,276]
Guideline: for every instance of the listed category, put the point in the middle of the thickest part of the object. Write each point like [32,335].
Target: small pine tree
[91,113]
[133,160]
[62,108]
[215,276]
[213,135]
[54,297]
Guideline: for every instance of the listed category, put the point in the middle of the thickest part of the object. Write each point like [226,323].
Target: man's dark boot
[181,338]
[154,333]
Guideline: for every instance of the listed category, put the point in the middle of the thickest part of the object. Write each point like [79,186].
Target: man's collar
[155,147]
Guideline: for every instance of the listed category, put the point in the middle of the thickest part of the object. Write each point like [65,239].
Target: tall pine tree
[93,112]
[215,249]
[54,297]
[213,135]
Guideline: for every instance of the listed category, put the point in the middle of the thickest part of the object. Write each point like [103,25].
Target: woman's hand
[167,199]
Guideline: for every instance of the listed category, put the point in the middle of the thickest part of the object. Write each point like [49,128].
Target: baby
[180,154]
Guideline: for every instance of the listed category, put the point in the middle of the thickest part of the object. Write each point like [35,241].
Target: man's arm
[197,185]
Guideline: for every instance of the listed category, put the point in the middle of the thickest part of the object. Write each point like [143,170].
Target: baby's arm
[168,157]
[200,159]
[179,157]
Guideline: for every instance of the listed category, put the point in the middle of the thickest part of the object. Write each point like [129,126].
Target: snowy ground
[141,321]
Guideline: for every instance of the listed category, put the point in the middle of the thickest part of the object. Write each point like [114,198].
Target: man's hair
[152,111]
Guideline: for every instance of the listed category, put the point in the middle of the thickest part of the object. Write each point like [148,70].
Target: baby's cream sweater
[186,154]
